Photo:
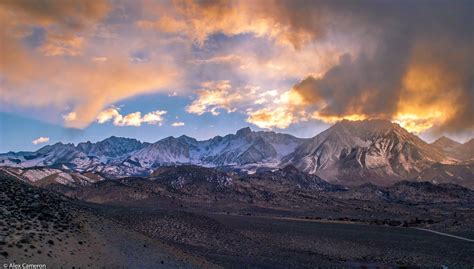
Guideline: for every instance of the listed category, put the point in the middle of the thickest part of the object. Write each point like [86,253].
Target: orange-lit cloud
[428,99]
[62,21]
[214,96]
[90,87]
[59,72]
[61,45]
[271,118]
[352,60]
[279,112]
[421,79]
[264,108]
[165,24]
[200,19]
[417,90]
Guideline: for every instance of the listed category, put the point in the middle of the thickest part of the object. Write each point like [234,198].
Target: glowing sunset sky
[84,70]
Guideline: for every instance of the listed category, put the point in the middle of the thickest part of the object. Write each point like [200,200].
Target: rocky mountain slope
[446,144]
[461,174]
[243,148]
[111,147]
[455,150]
[285,187]
[286,191]
[376,151]
[154,223]
[44,176]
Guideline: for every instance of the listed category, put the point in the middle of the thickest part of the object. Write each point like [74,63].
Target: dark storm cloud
[403,38]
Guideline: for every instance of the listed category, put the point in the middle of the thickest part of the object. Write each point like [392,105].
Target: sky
[74,71]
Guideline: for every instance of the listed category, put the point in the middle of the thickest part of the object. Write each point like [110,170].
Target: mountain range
[455,149]
[348,153]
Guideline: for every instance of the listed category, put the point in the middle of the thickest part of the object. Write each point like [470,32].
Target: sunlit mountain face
[152,69]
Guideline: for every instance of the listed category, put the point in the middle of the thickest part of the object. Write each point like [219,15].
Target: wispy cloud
[177,124]
[40,140]
[99,59]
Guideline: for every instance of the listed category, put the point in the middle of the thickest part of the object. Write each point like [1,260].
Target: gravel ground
[236,241]
[40,227]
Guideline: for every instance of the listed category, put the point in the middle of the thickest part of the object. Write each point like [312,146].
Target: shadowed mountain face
[445,144]
[455,150]
[285,187]
[111,147]
[348,153]
[461,174]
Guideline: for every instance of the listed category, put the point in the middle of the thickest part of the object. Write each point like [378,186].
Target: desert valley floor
[177,229]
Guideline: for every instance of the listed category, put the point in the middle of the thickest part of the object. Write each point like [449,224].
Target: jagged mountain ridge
[116,156]
[348,153]
[244,147]
[111,147]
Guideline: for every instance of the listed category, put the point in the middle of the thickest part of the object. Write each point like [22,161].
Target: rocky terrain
[191,216]
[455,150]
[285,192]
[42,227]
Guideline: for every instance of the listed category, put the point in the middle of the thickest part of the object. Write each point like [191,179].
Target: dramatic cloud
[40,140]
[200,19]
[354,87]
[379,77]
[264,108]
[46,52]
[132,119]
[418,71]
[62,22]
[408,61]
